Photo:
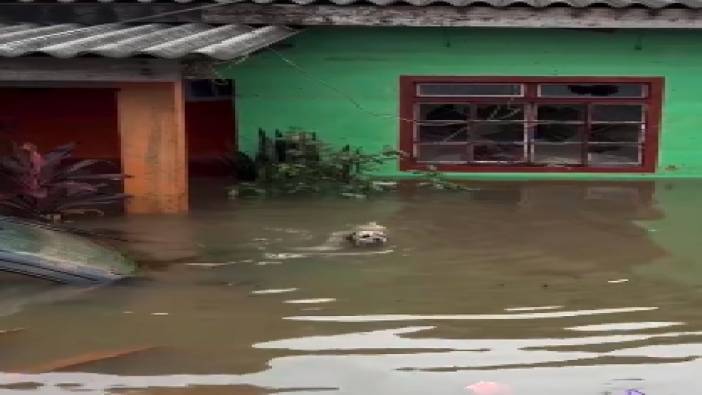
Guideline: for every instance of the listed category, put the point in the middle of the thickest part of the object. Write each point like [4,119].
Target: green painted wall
[343,82]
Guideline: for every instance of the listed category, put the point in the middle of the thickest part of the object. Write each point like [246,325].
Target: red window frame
[652,118]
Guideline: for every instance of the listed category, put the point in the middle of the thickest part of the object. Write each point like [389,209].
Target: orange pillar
[152,131]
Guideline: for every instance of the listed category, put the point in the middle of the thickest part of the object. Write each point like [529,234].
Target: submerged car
[59,256]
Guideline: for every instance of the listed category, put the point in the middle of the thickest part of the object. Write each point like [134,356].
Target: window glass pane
[561,112]
[617,113]
[468,89]
[498,153]
[592,90]
[442,153]
[447,133]
[500,112]
[201,88]
[558,133]
[497,132]
[223,88]
[616,133]
[614,155]
[558,154]
[443,112]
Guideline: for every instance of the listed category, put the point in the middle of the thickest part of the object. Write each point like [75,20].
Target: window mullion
[470,147]
[585,135]
[531,93]
[531,90]
[530,116]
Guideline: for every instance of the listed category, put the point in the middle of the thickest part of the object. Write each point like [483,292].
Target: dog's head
[369,235]
[369,238]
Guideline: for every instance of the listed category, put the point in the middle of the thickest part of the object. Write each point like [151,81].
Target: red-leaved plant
[46,188]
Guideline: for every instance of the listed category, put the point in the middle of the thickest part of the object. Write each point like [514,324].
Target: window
[530,124]
[208,90]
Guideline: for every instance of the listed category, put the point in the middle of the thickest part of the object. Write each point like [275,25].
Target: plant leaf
[58,154]
[113,177]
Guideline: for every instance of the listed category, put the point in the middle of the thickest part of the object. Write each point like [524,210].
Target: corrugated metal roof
[654,4]
[498,3]
[117,40]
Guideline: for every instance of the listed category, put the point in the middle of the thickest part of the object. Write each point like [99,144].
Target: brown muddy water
[547,288]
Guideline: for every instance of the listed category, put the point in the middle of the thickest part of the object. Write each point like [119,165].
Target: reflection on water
[549,288]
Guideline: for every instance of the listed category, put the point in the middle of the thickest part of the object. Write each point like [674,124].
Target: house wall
[343,83]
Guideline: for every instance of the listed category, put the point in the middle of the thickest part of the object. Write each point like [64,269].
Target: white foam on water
[461,317]
[283,255]
[209,264]
[534,308]
[623,326]
[273,291]
[360,253]
[324,252]
[268,263]
[310,301]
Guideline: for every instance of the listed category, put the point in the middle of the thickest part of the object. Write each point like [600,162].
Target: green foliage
[297,163]
[434,179]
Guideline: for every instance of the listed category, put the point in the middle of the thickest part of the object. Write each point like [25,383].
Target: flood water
[546,288]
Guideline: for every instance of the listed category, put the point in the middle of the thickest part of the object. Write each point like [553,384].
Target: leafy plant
[298,163]
[338,170]
[434,179]
[47,188]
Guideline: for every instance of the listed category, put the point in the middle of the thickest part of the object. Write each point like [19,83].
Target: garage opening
[52,116]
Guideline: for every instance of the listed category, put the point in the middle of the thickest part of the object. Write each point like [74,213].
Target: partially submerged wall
[343,83]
